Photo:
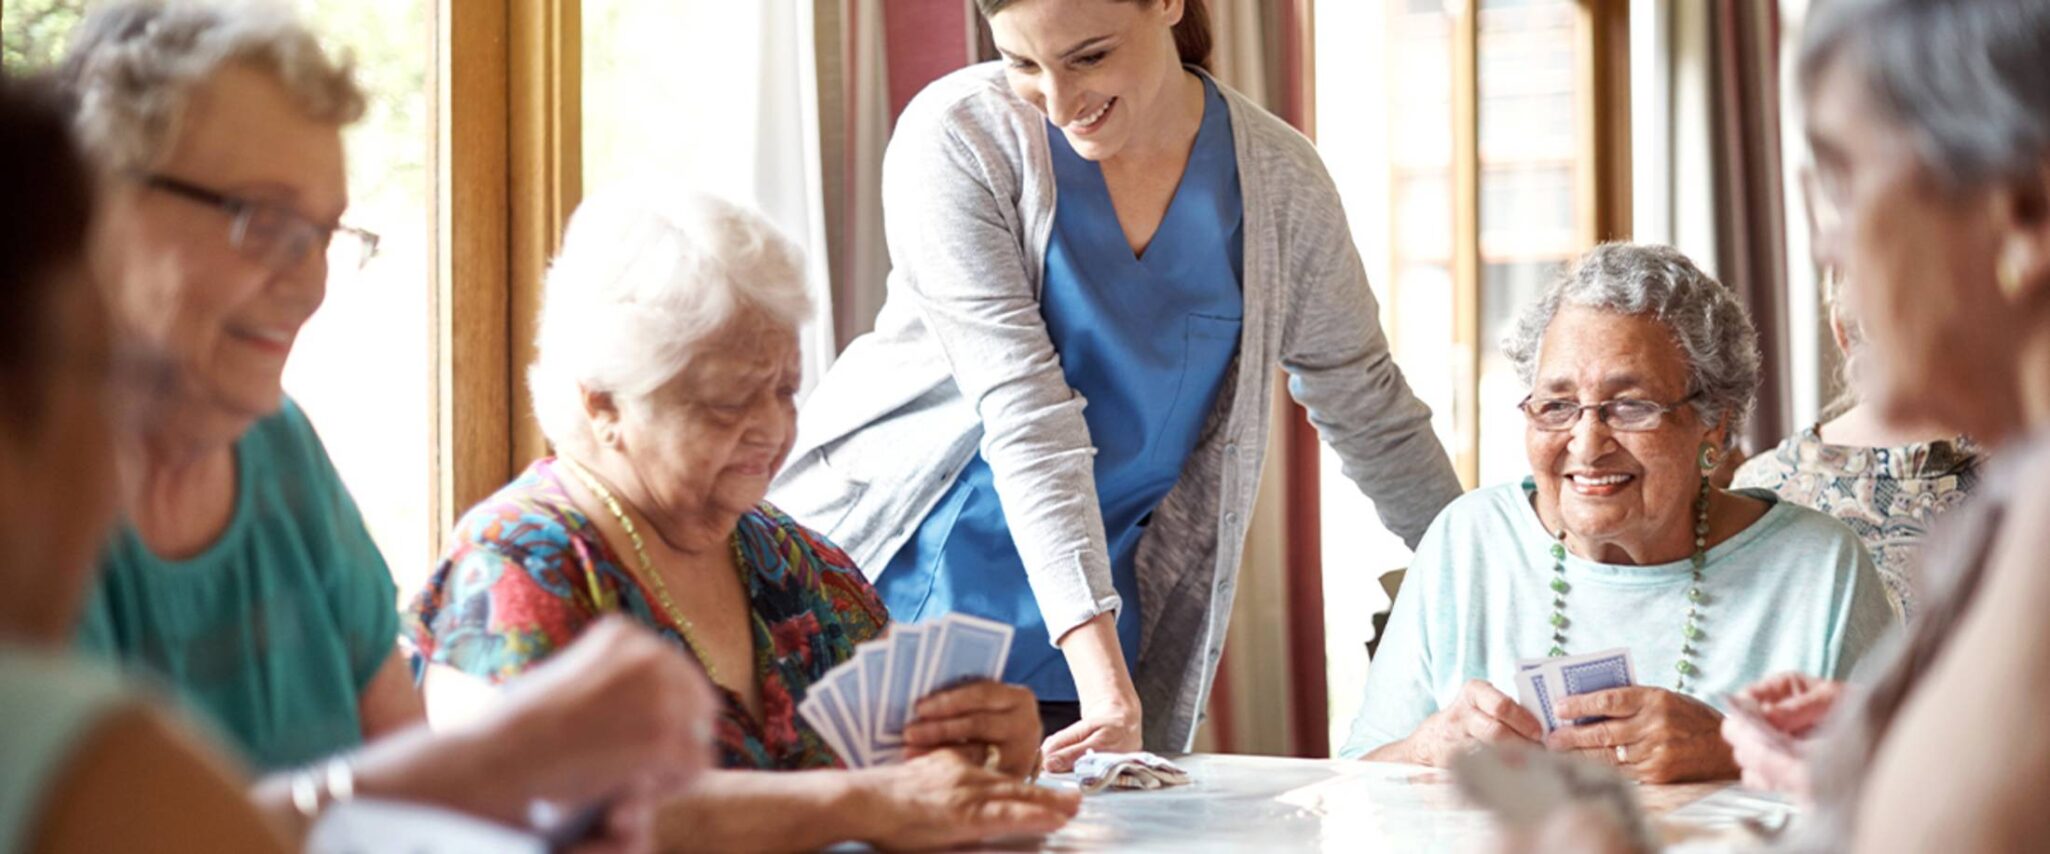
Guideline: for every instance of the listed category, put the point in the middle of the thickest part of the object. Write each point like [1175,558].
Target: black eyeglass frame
[244,211]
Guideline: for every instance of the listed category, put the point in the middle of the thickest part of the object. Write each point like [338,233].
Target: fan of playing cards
[861,707]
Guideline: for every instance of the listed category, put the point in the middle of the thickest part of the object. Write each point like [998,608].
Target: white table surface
[1259,803]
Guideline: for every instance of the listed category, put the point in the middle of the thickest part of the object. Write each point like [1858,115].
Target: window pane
[362,366]
[712,94]
[1530,204]
[1384,126]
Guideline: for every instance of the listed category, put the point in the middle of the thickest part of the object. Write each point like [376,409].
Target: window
[362,366]
[1462,149]
[717,96]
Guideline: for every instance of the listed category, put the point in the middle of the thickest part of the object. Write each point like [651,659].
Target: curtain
[1712,181]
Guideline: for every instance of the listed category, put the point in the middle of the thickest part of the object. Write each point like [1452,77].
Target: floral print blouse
[1889,496]
[516,586]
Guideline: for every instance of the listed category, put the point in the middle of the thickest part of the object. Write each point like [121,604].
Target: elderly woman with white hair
[242,574]
[1641,368]
[666,379]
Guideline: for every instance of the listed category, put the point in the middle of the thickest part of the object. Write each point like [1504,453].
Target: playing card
[870,661]
[1535,692]
[900,683]
[1540,683]
[969,648]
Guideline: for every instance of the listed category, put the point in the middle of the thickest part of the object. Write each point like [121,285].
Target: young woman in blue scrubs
[1100,256]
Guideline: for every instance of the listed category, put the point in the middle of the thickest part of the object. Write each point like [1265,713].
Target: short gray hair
[1711,327]
[1967,78]
[645,274]
[133,63]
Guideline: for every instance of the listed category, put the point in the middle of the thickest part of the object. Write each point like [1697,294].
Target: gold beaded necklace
[654,579]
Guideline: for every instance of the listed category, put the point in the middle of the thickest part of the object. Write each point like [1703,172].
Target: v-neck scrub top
[1146,339]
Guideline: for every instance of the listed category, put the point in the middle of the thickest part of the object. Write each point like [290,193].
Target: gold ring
[994,759]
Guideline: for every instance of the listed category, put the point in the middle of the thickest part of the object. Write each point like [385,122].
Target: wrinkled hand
[1793,704]
[619,708]
[981,716]
[1113,726]
[1666,737]
[940,800]
[1481,714]
[628,826]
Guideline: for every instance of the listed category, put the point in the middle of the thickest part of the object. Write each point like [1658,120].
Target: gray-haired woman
[1930,123]
[242,573]
[1640,368]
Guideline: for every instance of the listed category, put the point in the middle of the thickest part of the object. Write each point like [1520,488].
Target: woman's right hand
[1481,714]
[617,708]
[940,800]
[1793,705]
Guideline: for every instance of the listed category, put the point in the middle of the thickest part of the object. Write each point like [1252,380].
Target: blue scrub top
[1147,341]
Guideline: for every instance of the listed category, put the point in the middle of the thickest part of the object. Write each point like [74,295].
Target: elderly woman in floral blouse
[1887,481]
[666,380]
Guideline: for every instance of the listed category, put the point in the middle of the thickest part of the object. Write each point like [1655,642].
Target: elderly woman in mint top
[242,574]
[1101,256]
[1641,368]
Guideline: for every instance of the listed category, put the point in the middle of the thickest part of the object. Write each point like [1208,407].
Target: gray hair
[645,274]
[1967,78]
[1711,327]
[132,65]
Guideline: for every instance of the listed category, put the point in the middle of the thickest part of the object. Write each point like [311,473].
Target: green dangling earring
[1707,459]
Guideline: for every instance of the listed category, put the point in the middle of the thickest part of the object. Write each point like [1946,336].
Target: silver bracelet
[311,791]
[341,780]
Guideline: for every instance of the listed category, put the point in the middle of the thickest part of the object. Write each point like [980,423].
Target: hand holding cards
[1540,683]
[861,707]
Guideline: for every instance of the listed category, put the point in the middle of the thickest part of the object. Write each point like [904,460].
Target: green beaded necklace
[1690,633]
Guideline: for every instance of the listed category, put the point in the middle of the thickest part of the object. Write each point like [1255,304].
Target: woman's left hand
[1000,717]
[1664,737]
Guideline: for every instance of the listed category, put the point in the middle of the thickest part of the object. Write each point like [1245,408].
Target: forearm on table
[767,811]
[1394,751]
[460,770]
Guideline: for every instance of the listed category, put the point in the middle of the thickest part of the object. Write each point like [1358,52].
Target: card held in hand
[1540,683]
[862,706]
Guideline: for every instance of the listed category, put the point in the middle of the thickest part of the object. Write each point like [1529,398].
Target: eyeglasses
[1631,416]
[273,235]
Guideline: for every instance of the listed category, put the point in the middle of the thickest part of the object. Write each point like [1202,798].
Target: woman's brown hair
[46,203]
[1192,38]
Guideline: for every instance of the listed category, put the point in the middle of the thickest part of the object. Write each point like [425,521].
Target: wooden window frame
[508,167]
[1602,178]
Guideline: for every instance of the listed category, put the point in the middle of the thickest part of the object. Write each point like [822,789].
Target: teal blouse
[273,631]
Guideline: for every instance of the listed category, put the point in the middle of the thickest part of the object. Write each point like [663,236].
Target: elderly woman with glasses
[242,574]
[1641,368]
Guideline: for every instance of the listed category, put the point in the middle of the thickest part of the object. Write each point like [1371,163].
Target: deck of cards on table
[860,708]
[1541,682]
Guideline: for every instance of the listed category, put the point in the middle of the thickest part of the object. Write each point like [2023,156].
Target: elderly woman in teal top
[1641,368]
[242,574]
[1096,221]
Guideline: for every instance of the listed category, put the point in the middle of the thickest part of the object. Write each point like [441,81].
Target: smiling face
[1940,335]
[1103,71]
[226,321]
[1622,497]
[704,445]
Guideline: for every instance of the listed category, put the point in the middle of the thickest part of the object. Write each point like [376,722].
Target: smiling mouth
[1599,484]
[1091,122]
